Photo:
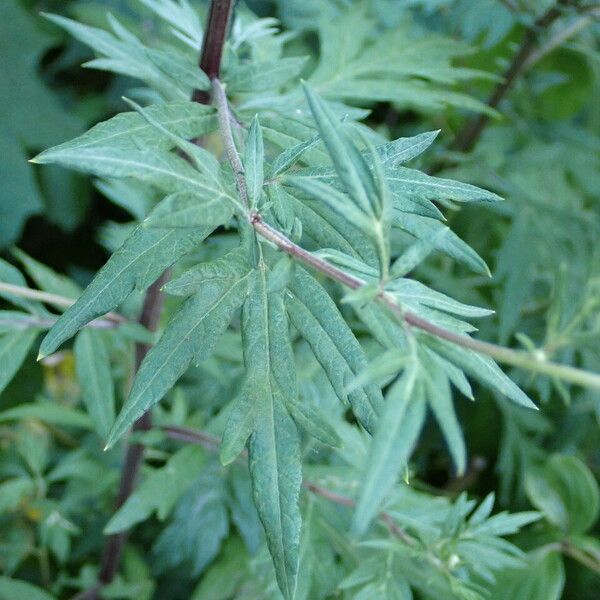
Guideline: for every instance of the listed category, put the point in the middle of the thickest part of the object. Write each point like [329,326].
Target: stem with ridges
[504,355]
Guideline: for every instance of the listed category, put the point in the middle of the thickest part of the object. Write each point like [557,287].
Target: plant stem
[212,45]
[570,550]
[54,299]
[470,134]
[524,360]
[113,549]
[561,37]
[210,60]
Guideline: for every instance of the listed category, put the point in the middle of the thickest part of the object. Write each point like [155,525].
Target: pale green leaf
[480,367]
[439,398]
[334,199]
[414,294]
[419,185]
[182,210]
[14,349]
[241,422]
[543,578]
[402,150]
[274,447]
[137,264]
[422,227]
[190,336]
[12,275]
[180,68]
[292,155]
[95,379]
[221,269]
[263,76]
[313,422]
[130,130]
[47,412]
[159,491]
[254,158]
[565,490]
[350,165]
[397,431]
[46,279]
[316,317]
[12,589]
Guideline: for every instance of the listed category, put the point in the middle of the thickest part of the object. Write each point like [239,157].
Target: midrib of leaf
[152,168]
[434,182]
[142,127]
[269,422]
[133,407]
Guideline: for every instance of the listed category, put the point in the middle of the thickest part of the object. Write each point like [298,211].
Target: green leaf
[397,431]
[164,170]
[263,76]
[200,522]
[47,412]
[350,165]
[13,492]
[335,200]
[402,150]
[313,422]
[274,447]
[12,275]
[222,579]
[292,155]
[193,279]
[120,52]
[480,367]
[565,490]
[95,379]
[254,158]
[182,210]
[398,65]
[439,398]
[316,317]
[11,589]
[159,491]
[26,126]
[14,349]
[416,253]
[423,228]
[180,68]
[131,131]
[418,185]
[240,424]
[542,579]
[414,295]
[47,279]
[137,264]
[191,335]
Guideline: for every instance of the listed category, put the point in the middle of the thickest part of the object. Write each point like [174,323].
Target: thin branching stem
[560,37]
[53,299]
[467,138]
[537,362]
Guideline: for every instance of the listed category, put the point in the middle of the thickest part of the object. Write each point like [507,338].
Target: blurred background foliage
[542,246]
